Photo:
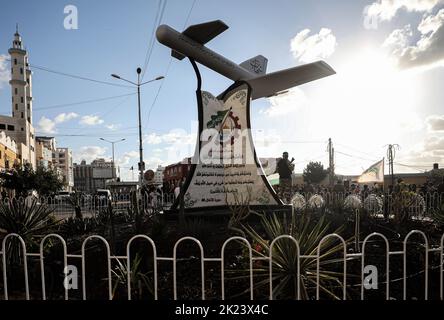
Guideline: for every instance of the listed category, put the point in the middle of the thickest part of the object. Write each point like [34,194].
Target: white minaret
[21,86]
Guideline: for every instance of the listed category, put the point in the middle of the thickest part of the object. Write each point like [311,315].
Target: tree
[47,181]
[314,172]
[23,179]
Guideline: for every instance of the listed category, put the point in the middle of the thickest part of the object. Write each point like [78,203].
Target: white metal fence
[419,206]
[428,250]
[64,206]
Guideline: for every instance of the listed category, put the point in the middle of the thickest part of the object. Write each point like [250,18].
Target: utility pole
[138,84]
[391,151]
[331,161]
[112,143]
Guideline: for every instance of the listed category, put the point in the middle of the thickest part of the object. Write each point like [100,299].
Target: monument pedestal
[225,170]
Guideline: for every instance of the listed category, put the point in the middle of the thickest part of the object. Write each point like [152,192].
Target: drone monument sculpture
[225,167]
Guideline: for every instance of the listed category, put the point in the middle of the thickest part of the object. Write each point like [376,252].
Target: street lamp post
[138,85]
[112,143]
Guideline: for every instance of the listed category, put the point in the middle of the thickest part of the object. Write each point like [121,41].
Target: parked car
[102,197]
[62,195]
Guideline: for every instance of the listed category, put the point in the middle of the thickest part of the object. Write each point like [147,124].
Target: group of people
[285,189]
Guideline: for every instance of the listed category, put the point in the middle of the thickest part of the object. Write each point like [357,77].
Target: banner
[373,174]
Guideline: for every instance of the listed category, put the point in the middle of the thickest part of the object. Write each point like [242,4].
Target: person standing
[285,169]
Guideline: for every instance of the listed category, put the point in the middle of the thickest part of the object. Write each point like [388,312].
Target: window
[21,70]
[29,106]
[2,126]
[21,99]
[22,129]
[15,61]
[12,70]
[11,128]
[16,91]
[61,155]
[22,115]
[16,106]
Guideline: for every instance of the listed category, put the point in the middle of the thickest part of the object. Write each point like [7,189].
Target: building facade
[90,177]
[8,152]
[62,160]
[45,147]
[19,126]
[176,173]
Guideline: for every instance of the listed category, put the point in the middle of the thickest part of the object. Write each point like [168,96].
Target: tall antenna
[391,152]
[331,161]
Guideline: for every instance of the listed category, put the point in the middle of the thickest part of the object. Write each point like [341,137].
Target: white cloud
[434,143]
[398,39]
[46,125]
[89,153]
[428,151]
[126,158]
[427,52]
[435,123]
[63,117]
[152,138]
[386,9]
[4,70]
[172,137]
[318,46]
[286,103]
[91,120]
[112,127]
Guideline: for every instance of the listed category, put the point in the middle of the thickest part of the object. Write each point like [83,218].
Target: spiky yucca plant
[26,218]
[140,281]
[308,235]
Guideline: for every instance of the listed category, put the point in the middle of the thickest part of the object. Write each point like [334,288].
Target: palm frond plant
[28,219]
[76,226]
[140,281]
[438,215]
[75,200]
[240,210]
[308,234]
[139,214]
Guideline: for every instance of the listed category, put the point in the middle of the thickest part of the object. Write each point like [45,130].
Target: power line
[91,135]
[408,166]
[157,20]
[353,149]
[412,166]
[167,70]
[61,73]
[82,102]
[356,157]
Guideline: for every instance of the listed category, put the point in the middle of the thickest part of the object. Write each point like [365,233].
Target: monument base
[226,211]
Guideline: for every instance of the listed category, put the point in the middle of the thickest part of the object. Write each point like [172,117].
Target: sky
[388,55]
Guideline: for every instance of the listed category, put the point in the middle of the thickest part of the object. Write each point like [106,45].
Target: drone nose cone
[163,32]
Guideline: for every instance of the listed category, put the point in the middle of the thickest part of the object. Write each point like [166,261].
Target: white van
[103,194]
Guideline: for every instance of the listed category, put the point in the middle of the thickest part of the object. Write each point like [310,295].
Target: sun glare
[370,95]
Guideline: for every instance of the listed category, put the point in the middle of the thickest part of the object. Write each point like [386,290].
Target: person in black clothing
[285,169]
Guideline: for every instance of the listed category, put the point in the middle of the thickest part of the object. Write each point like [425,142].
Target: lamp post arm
[123,79]
[152,80]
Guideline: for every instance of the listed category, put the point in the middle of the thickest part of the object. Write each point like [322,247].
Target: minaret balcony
[17,50]
[17,82]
